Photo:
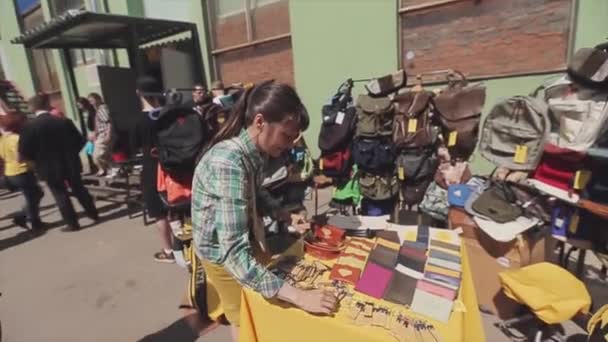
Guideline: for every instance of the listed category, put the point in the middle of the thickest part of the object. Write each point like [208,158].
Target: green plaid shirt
[220,221]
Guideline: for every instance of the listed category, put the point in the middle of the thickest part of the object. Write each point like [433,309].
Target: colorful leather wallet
[374,280]
[389,235]
[401,289]
[437,290]
[384,256]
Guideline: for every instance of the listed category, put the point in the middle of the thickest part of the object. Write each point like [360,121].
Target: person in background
[227,187]
[56,112]
[19,174]
[200,98]
[54,145]
[88,112]
[102,152]
[217,89]
[150,92]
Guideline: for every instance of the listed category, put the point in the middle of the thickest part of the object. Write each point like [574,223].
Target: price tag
[340,118]
[573,227]
[412,125]
[321,164]
[452,138]
[401,173]
[521,154]
[221,119]
[581,178]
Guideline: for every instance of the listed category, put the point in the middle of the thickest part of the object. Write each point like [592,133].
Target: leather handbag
[498,204]
[387,84]
[459,106]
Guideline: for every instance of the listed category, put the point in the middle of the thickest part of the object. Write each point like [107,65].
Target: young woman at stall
[226,195]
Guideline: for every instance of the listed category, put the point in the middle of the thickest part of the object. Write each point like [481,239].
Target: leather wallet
[389,235]
[445,264]
[442,278]
[445,245]
[374,280]
[412,262]
[435,253]
[401,289]
[345,273]
[384,256]
[437,290]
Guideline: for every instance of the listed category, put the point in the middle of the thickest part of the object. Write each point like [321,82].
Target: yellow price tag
[521,154]
[412,125]
[220,119]
[581,178]
[452,138]
[321,164]
[573,227]
[401,173]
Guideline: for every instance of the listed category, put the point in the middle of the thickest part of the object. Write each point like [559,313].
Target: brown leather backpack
[412,128]
[459,108]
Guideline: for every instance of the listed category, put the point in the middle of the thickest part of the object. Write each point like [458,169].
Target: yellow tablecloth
[270,321]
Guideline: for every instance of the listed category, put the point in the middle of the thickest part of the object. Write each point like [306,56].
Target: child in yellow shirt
[19,175]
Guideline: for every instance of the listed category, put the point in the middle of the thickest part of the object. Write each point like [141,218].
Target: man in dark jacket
[53,144]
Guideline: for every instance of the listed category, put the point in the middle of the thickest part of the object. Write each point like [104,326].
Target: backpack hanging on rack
[514,133]
[415,171]
[373,155]
[459,109]
[339,120]
[412,127]
[374,116]
[385,85]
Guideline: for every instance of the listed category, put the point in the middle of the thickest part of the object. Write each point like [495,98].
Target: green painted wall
[335,40]
[15,59]
[199,16]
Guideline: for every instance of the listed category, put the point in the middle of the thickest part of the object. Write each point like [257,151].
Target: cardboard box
[488,258]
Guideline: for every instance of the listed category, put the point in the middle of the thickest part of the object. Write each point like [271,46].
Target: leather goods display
[435,202]
[580,117]
[336,164]
[450,173]
[351,261]
[339,120]
[374,280]
[459,106]
[387,84]
[375,116]
[458,194]
[589,67]
[498,204]
[558,167]
[325,243]
[413,122]
[337,128]
[370,207]
[415,170]
[378,188]
[373,155]
[514,133]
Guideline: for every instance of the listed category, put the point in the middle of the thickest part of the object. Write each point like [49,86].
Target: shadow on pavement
[177,331]
[27,235]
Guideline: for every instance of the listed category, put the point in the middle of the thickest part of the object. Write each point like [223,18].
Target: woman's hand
[313,301]
[317,301]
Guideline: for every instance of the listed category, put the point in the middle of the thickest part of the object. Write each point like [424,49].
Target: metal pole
[198,56]
[72,80]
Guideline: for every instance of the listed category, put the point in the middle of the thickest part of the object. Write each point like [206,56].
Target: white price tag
[340,118]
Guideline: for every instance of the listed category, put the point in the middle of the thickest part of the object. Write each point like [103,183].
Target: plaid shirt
[103,125]
[220,219]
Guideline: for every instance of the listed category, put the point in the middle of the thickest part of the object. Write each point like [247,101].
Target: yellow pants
[228,289]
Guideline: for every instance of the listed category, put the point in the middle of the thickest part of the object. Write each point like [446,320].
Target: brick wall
[257,63]
[265,61]
[488,38]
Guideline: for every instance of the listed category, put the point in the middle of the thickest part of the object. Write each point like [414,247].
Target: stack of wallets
[351,261]
[437,289]
[379,269]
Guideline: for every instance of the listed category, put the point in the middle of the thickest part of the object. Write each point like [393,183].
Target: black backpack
[180,136]
[339,120]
